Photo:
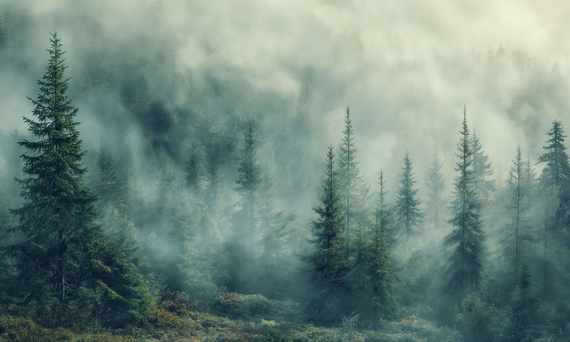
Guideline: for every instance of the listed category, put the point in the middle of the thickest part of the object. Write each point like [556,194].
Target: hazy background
[154,77]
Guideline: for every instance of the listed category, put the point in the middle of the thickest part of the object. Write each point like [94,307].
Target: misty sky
[406,68]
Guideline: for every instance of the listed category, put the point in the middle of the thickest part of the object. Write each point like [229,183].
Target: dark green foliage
[329,257]
[56,219]
[381,269]
[61,258]
[465,264]
[557,170]
[407,203]
[435,185]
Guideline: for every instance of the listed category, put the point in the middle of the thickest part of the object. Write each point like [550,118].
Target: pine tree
[329,257]
[57,216]
[195,173]
[435,186]
[249,179]
[466,262]
[555,179]
[407,203]
[353,188]
[517,194]
[62,259]
[381,263]
[557,170]
[481,171]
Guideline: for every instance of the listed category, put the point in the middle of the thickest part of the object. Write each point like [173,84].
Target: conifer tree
[57,216]
[557,169]
[329,257]
[481,171]
[555,180]
[381,263]
[407,203]
[465,264]
[249,180]
[195,173]
[518,194]
[435,186]
[353,189]
[62,259]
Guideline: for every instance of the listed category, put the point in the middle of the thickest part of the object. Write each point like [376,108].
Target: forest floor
[234,318]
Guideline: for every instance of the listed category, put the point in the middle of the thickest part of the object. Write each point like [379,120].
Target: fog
[154,79]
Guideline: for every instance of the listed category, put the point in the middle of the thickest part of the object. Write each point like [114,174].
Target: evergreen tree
[555,179]
[407,203]
[243,251]
[518,195]
[353,189]
[466,262]
[195,173]
[62,260]
[329,257]
[435,186]
[557,170]
[249,180]
[110,188]
[381,264]
[481,171]
[57,216]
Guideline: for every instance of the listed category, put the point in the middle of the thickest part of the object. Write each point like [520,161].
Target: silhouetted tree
[62,259]
[329,257]
[465,264]
[381,257]
[407,203]
[435,186]
[353,188]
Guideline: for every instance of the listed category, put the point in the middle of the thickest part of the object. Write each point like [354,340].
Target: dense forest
[148,199]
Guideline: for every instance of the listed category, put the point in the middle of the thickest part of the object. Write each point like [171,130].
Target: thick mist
[159,82]
[153,75]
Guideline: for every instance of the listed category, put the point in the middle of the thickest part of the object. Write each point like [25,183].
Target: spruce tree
[61,258]
[465,264]
[557,169]
[249,180]
[353,188]
[555,181]
[58,211]
[517,194]
[435,186]
[481,171]
[407,203]
[329,257]
[195,172]
[381,263]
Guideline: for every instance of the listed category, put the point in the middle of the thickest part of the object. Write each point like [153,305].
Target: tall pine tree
[465,264]
[407,203]
[381,257]
[62,260]
[353,188]
[435,186]
[329,257]
[57,216]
